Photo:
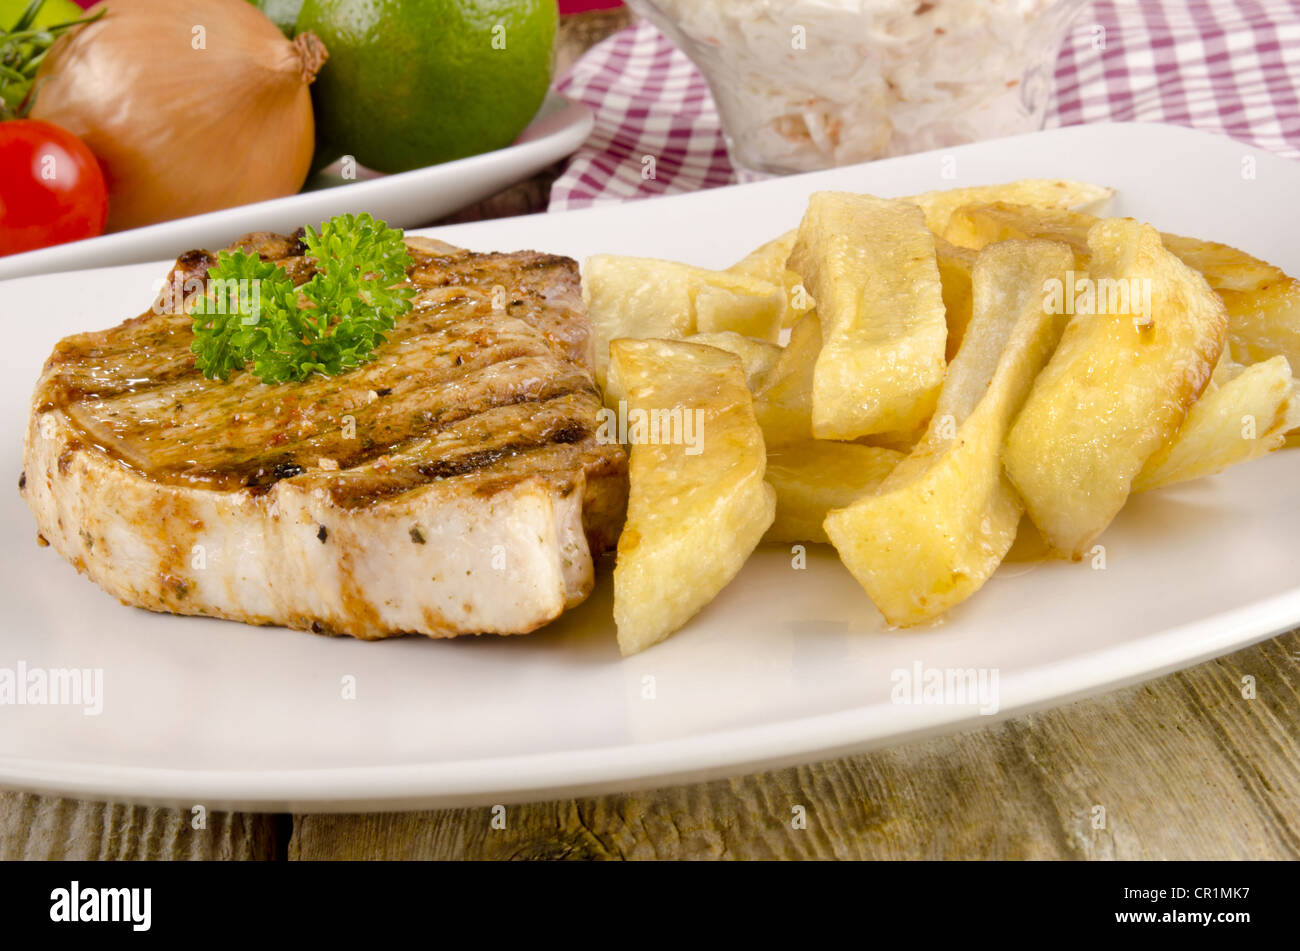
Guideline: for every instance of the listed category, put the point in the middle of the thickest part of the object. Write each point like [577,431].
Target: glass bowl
[809,84]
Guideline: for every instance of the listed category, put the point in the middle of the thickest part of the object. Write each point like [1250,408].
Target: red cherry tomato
[51,187]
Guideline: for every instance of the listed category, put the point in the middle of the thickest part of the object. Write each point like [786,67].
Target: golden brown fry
[1242,418]
[758,356]
[946,516]
[767,263]
[977,226]
[1045,193]
[815,476]
[955,265]
[645,297]
[783,403]
[696,508]
[870,264]
[1118,387]
[1263,302]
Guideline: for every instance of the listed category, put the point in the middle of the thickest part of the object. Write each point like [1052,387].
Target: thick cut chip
[745,306]
[783,403]
[903,441]
[870,264]
[767,263]
[645,297]
[1263,301]
[943,520]
[1291,421]
[974,226]
[1118,387]
[1243,416]
[955,265]
[698,504]
[1034,192]
[758,356]
[811,478]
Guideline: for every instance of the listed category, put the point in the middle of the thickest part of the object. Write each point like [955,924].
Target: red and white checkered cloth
[1226,66]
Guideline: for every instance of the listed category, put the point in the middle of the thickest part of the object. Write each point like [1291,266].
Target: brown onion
[190,105]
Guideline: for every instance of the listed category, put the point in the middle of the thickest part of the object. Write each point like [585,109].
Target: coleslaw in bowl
[809,84]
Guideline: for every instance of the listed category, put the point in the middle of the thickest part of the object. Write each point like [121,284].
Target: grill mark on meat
[534,440]
[566,431]
[457,372]
[378,433]
[94,365]
[263,477]
[370,453]
[570,432]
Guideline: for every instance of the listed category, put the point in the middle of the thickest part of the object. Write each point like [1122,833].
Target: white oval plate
[405,200]
[785,666]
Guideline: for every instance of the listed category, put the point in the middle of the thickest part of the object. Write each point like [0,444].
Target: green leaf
[28,16]
[253,314]
[22,48]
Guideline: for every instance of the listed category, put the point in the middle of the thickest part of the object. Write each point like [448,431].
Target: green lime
[411,83]
[283,13]
[54,11]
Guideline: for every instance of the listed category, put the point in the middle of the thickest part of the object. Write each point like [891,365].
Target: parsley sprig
[251,312]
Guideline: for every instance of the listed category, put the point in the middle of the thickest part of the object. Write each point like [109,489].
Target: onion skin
[178,130]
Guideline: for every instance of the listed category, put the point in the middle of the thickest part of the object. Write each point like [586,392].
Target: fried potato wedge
[744,306]
[758,356]
[767,263]
[1035,192]
[1118,387]
[1240,418]
[815,476]
[903,441]
[870,264]
[975,226]
[943,520]
[1263,301]
[955,265]
[695,512]
[783,403]
[645,297]
[1291,422]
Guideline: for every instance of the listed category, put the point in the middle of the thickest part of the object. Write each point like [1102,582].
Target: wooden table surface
[1193,765]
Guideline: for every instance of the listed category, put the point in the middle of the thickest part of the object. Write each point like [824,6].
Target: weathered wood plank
[1183,767]
[48,827]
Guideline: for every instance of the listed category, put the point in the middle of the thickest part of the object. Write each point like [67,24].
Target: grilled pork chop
[453,485]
